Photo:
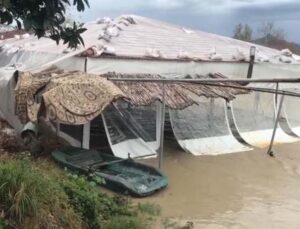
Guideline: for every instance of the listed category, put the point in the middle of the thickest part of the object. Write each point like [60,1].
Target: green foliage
[2,224]
[269,31]
[125,222]
[45,18]
[27,197]
[95,207]
[35,194]
[150,209]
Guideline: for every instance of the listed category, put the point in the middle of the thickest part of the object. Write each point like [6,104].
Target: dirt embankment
[8,138]
[42,144]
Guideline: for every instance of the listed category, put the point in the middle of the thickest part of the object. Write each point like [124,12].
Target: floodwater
[240,190]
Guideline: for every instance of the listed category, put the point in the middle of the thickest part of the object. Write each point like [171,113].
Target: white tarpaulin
[203,129]
[254,115]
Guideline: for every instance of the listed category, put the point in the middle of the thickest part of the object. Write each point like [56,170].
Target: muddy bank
[242,190]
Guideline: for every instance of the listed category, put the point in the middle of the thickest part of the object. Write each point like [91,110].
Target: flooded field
[241,190]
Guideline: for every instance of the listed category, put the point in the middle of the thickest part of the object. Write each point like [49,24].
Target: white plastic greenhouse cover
[9,64]
[133,36]
[7,101]
[212,134]
[173,69]
[23,61]
[254,116]
[132,130]
[291,114]
[143,120]
[203,129]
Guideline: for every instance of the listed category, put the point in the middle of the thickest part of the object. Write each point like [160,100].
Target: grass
[125,222]
[36,194]
[150,209]
[29,198]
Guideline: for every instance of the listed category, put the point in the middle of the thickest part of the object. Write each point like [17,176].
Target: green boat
[121,175]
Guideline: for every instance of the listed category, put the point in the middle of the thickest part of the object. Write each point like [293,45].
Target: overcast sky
[216,16]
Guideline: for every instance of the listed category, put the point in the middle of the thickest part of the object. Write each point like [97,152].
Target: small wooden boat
[120,175]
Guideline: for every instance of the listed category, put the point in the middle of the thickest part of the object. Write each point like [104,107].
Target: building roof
[143,38]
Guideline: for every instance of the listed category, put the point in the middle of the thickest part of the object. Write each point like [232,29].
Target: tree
[45,18]
[269,32]
[242,32]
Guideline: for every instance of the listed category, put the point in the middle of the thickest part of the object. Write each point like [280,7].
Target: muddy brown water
[240,190]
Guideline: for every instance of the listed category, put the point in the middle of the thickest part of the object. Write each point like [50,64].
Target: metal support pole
[270,152]
[85,65]
[86,130]
[208,82]
[205,80]
[57,130]
[251,62]
[86,136]
[162,129]
[276,94]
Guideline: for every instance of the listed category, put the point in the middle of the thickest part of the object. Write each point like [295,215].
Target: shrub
[150,209]
[35,194]
[95,207]
[125,222]
[28,198]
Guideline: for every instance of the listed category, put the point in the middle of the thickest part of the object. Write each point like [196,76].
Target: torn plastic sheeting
[283,121]
[144,121]
[291,114]
[203,129]
[123,140]
[254,115]
[7,94]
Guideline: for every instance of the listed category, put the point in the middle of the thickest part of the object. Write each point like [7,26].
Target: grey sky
[216,16]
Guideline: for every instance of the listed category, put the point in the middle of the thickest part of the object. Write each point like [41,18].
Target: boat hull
[124,176]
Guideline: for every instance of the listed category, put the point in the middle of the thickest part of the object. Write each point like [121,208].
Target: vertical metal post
[210,115]
[270,152]
[251,62]
[86,130]
[162,129]
[86,136]
[276,95]
[57,130]
[85,65]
